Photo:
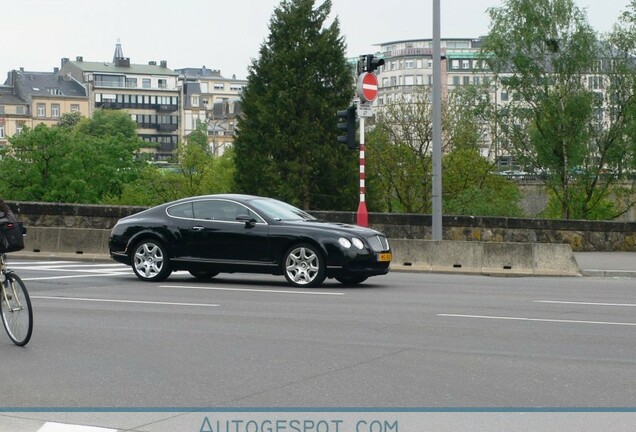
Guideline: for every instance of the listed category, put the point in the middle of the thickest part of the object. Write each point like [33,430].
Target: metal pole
[363,215]
[437,124]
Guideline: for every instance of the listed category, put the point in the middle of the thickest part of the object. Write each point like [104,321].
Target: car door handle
[197,228]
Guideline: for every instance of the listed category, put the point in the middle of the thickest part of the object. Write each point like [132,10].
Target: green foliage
[470,188]
[83,163]
[197,172]
[286,144]
[545,54]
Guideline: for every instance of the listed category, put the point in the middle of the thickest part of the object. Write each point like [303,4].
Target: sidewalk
[607,264]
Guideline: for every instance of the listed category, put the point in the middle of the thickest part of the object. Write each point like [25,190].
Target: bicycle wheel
[17,315]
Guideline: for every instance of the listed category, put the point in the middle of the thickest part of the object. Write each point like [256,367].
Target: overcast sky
[221,34]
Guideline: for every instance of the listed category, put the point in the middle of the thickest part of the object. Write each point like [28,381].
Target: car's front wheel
[304,266]
[150,261]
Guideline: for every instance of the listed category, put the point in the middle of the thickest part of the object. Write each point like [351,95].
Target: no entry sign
[367,87]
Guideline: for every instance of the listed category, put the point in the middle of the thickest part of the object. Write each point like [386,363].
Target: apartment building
[149,92]
[14,113]
[210,98]
[32,98]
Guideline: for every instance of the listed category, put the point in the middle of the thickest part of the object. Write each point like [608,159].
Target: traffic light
[347,123]
[369,63]
[373,63]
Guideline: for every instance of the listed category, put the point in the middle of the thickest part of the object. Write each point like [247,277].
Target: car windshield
[279,210]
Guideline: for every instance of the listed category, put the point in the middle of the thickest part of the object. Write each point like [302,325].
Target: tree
[562,120]
[83,163]
[286,144]
[196,172]
[400,165]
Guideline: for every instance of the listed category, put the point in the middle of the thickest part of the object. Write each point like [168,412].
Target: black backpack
[11,233]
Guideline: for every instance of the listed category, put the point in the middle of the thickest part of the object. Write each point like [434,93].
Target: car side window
[209,210]
[181,211]
[221,210]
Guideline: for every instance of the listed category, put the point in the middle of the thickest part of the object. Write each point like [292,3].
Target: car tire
[203,274]
[150,261]
[351,280]
[304,266]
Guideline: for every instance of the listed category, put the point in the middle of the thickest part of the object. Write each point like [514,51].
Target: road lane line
[123,301]
[252,290]
[538,319]
[586,303]
[74,276]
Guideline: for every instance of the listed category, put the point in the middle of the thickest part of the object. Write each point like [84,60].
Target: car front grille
[378,243]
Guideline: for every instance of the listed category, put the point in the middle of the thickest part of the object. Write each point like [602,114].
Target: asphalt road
[104,339]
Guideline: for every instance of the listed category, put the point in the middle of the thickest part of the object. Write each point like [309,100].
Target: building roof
[8,98]
[201,72]
[47,84]
[106,67]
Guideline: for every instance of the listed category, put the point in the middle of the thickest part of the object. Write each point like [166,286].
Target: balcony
[166,108]
[167,127]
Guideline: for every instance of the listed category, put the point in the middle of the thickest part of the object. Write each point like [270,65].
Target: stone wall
[580,235]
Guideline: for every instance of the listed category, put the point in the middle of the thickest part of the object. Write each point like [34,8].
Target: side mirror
[249,221]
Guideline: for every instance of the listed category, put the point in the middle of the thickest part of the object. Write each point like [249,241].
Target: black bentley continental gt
[208,235]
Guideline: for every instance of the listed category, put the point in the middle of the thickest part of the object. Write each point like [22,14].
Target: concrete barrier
[487,258]
[470,257]
[78,241]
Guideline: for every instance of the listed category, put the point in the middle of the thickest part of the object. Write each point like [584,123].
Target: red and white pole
[363,215]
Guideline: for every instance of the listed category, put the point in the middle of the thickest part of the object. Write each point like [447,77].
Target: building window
[218,86]
[163,84]
[20,110]
[41,110]
[455,64]
[75,108]
[1,131]
[456,81]
[504,96]
[1,109]
[409,64]
[465,64]
[19,126]
[55,110]
[466,80]
[131,82]
[195,101]
[145,83]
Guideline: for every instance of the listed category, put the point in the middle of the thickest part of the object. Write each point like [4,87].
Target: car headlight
[357,243]
[344,242]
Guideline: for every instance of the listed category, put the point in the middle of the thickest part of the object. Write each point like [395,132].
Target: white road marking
[252,290]
[74,276]
[62,427]
[538,319]
[123,301]
[586,303]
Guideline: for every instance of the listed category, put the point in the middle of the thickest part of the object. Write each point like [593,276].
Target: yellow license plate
[385,257]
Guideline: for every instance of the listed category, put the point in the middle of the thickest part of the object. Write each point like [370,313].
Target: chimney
[56,70]
[164,63]
[79,59]
[64,61]
[152,63]
[21,70]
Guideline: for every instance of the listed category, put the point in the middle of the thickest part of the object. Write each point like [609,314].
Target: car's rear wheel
[150,261]
[351,280]
[304,266]
[203,274]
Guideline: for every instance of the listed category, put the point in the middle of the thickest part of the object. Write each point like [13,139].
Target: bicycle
[15,305]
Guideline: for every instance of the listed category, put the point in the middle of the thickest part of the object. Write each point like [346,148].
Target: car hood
[342,228]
